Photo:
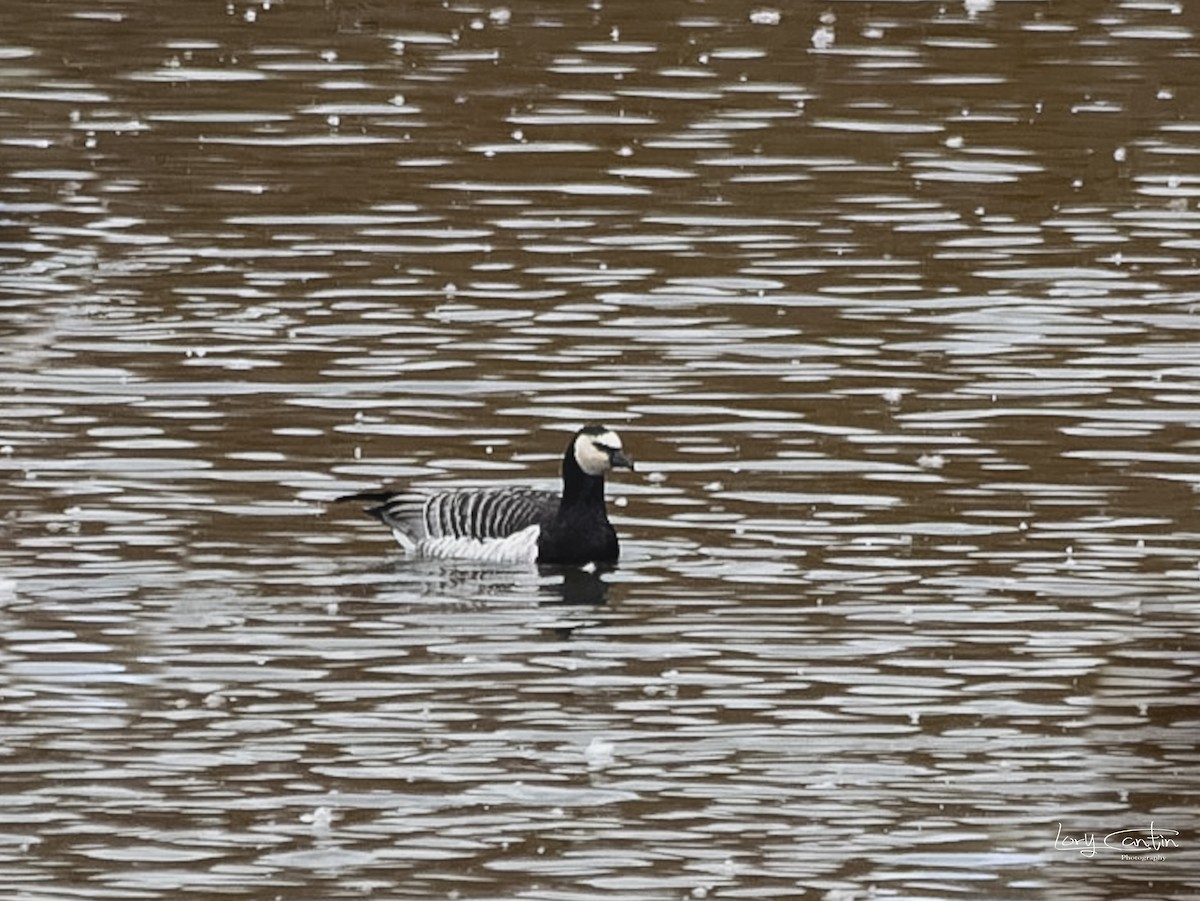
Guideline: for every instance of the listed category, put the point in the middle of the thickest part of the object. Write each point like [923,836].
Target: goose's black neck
[579,532]
[580,490]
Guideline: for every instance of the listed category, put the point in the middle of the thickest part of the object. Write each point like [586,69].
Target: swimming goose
[514,525]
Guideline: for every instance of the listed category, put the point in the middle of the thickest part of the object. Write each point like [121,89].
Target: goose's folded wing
[469,513]
[493,513]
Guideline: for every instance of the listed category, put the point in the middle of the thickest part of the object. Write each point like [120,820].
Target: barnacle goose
[515,525]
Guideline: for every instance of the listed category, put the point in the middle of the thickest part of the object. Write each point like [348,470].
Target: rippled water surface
[896,304]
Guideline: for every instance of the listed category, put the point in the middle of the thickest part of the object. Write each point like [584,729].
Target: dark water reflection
[895,304]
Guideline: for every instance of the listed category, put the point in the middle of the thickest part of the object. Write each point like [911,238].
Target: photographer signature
[1138,839]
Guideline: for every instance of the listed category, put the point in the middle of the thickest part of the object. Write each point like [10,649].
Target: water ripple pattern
[894,304]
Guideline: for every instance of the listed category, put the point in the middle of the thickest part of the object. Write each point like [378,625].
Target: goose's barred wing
[492,513]
[469,513]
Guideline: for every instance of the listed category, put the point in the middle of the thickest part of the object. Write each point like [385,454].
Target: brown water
[897,305]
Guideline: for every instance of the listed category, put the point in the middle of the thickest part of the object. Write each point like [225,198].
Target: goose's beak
[620,461]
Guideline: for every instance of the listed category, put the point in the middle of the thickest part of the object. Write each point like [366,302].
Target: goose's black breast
[578,537]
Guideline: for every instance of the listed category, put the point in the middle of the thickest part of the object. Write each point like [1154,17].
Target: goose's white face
[597,454]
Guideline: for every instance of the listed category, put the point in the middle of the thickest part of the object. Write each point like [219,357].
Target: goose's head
[598,449]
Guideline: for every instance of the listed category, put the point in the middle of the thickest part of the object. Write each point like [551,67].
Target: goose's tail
[402,512]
